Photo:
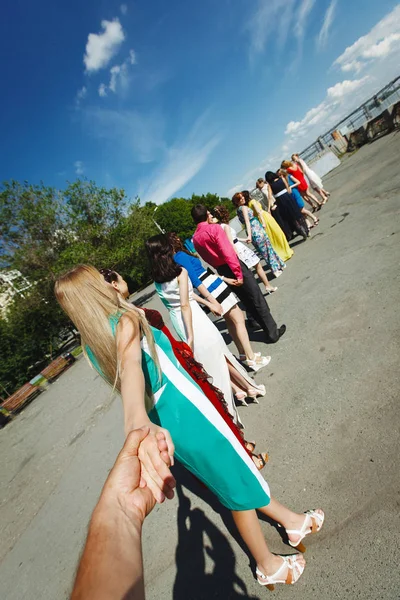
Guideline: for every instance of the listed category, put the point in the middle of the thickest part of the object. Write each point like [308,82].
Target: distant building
[12,283]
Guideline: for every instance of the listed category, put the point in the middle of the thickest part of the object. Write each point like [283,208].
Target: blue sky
[168,99]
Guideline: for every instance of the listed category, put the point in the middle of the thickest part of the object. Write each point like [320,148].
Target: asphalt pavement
[330,422]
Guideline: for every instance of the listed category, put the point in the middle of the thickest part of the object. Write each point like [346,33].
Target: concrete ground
[330,422]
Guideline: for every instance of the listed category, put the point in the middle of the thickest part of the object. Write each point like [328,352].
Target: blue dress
[199,275]
[296,194]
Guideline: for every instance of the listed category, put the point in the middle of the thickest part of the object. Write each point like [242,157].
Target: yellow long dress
[274,232]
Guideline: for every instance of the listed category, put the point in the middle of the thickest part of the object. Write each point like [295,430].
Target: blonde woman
[294,169]
[196,371]
[159,394]
[314,179]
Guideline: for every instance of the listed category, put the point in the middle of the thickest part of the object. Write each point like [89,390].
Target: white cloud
[344,96]
[115,73]
[101,47]
[123,8]
[119,76]
[271,18]
[80,95]
[182,162]
[383,39]
[138,137]
[102,90]
[132,57]
[353,65]
[326,25]
[312,117]
[346,87]
[79,168]
[300,25]
[233,190]
[383,48]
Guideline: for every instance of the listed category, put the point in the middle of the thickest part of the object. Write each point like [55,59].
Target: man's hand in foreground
[111,565]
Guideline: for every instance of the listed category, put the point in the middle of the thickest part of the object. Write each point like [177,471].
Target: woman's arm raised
[129,352]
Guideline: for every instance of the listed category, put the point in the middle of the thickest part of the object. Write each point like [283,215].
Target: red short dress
[298,173]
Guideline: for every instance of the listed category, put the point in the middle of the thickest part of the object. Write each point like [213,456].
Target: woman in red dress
[304,189]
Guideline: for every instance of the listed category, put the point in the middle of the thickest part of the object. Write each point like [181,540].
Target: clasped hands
[141,474]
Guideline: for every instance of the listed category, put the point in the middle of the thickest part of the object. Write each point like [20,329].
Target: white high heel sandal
[294,572]
[313,522]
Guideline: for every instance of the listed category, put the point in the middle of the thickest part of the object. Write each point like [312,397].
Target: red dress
[196,371]
[298,173]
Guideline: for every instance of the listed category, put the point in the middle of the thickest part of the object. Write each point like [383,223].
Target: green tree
[175,215]
[30,218]
[45,231]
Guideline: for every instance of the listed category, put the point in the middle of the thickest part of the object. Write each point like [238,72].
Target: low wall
[325,163]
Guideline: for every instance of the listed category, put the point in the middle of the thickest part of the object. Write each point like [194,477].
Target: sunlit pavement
[330,423]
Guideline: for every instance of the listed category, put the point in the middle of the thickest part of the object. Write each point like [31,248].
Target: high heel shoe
[253,393]
[258,362]
[277,273]
[261,458]
[313,522]
[271,290]
[241,397]
[294,572]
[251,446]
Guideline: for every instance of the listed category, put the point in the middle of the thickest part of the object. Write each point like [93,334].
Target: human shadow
[198,538]
[297,242]
[144,298]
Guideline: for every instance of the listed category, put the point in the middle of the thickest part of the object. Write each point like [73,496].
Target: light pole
[155,222]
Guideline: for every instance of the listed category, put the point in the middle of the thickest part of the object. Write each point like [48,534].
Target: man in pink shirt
[213,246]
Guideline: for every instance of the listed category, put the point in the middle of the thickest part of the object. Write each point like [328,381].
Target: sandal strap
[294,571]
[314,517]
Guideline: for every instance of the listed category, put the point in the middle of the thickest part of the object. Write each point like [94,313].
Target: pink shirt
[211,242]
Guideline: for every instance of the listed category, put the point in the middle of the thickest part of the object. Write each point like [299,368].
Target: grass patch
[38,380]
[76,351]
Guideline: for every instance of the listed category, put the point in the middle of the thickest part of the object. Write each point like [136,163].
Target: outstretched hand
[126,486]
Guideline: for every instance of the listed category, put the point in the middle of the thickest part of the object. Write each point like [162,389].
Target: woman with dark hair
[192,325]
[293,185]
[288,207]
[218,298]
[185,357]
[245,254]
[256,234]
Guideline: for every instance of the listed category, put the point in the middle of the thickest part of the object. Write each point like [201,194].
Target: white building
[12,283]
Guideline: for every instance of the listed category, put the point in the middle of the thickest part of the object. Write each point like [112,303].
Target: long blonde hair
[90,302]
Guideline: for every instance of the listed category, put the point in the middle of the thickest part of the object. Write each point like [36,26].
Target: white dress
[209,347]
[244,253]
[314,179]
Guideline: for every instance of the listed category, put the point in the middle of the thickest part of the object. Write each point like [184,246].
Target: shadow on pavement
[145,298]
[198,537]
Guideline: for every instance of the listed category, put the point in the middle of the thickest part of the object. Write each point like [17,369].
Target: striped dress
[204,442]
[199,275]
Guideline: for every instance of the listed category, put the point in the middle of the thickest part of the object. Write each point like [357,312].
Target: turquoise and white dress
[204,443]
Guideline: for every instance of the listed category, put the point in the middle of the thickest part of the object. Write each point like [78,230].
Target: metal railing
[373,107]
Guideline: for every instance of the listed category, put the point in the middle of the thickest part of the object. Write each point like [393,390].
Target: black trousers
[250,294]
